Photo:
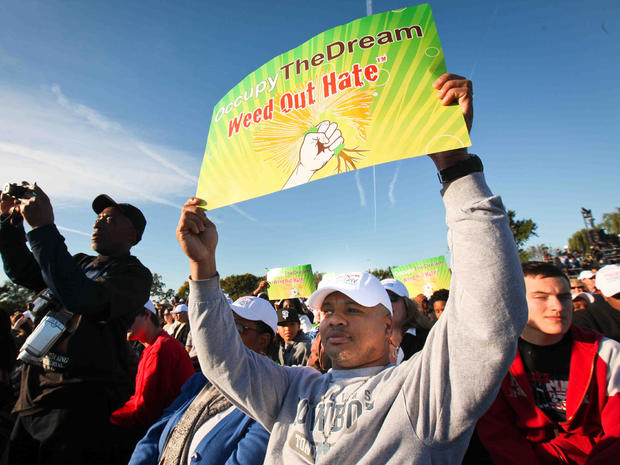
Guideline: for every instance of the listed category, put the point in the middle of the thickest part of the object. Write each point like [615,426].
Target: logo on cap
[351,279]
[244,301]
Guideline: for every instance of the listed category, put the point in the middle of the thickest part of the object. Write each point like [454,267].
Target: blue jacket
[236,440]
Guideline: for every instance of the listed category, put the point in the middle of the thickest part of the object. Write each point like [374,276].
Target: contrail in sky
[393,184]
[75,231]
[360,188]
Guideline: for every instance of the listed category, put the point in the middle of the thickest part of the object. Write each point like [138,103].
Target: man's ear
[389,326]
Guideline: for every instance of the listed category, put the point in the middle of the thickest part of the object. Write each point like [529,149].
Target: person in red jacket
[560,398]
[163,369]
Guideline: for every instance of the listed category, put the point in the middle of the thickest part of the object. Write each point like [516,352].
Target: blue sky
[117,97]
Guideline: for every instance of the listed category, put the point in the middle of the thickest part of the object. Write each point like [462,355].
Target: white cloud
[393,184]
[358,183]
[74,153]
[92,116]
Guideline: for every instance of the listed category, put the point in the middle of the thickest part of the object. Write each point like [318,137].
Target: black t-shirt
[547,369]
[600,317]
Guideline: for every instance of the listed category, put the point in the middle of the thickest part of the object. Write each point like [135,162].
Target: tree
[521,230]
[579,242]
[158,289]
[183,292]
[381,273]
[238,285]
[611,222]
[318,276]
[14,297]
[537,252]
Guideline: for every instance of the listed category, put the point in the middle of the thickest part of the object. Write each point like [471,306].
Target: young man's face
[550,309]
[438,307]
[355,336]
[288,330]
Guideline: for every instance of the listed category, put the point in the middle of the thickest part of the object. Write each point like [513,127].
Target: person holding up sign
[366,410]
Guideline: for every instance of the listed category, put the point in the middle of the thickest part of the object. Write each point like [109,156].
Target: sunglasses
[241,328]
[394,297]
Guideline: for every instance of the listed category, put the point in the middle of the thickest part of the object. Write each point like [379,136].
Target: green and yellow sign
[425,276]
[290,281]
[354,96]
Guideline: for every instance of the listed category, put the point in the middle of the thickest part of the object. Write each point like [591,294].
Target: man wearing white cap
[604,317]
[588,278]
[366,410]
[201,426]
[581,300]
[181,331]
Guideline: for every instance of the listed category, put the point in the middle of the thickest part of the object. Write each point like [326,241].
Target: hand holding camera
[30,201]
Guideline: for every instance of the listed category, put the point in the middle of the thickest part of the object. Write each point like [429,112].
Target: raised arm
[19,262]
[125,286]
[470,348]
[251,381]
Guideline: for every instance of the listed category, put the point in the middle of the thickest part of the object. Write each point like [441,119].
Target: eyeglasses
[242,328]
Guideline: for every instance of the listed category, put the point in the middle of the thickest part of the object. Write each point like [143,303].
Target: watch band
[472,165]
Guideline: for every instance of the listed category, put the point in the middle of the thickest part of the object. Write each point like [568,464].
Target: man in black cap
[68,391]
[292,344]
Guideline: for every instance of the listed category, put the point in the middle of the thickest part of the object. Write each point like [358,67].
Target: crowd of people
[513,364]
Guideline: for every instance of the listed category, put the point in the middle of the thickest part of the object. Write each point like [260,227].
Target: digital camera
[18,191]
[52,321]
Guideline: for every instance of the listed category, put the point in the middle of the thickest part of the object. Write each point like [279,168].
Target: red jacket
[163,369]
[515,431]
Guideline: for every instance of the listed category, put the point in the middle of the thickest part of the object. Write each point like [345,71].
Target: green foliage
[183,292]
[238,285]
[579,242]
[381,273]
[317,277]
[611,222]
[521,230]
[158,289]
[14,297]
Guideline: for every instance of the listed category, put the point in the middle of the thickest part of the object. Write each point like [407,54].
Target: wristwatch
[471,165]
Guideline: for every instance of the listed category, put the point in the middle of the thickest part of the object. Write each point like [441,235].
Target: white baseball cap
[256,309]
[364,288]
[583,295]
[586,274]
[180,308]
[149,306]
[396,286]
[608,280]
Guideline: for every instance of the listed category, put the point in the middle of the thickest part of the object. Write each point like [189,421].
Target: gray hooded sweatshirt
[422,411]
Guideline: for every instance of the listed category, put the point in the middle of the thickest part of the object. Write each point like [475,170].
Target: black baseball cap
[287,315]
[134,214]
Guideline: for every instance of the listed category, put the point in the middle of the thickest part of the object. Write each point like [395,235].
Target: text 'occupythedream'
[331,83]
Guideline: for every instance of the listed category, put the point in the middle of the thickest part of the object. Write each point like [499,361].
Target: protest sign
[354,96]
[425,276]
[291,281]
